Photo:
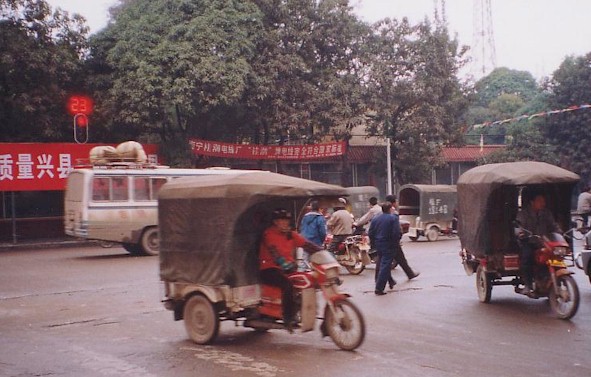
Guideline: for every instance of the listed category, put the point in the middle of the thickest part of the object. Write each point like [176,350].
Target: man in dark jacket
[399,256]
[385,234]
[539,220]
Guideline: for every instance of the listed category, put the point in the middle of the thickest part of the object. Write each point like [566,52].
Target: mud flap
[469,262]
[308,310]
[365,259]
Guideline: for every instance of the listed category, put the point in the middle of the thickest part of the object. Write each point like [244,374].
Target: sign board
[45,166]
[267,152]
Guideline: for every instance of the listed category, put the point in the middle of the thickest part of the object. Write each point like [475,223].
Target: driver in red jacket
[277,258]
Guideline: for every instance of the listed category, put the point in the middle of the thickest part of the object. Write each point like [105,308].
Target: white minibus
[118,204]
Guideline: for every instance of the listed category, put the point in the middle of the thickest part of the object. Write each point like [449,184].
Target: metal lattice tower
[439,13]
[483,44]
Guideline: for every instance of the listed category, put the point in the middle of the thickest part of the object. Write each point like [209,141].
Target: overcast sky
[529,35]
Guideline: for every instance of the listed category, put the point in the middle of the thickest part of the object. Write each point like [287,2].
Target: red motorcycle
[343,321]
[352,253]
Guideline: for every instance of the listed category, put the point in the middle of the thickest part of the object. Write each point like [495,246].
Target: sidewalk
[45,244]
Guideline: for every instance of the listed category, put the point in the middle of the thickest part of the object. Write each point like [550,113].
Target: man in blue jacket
[313,227]
[384,234]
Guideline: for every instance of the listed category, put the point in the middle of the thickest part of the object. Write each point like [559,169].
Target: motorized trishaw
[358,199]
[489,198]
[429,209]
[210,230]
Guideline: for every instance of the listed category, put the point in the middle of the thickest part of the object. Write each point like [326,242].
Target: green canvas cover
[210,226]
[433,203]
[488,201]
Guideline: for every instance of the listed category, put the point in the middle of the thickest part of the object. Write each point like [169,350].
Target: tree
[570,131]
[306,78]
[413,87]
[40,65]
[501,95]
[505,81]
[174,64]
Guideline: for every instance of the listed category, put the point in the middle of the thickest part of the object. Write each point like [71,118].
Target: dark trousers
[276,278]
[526,262]
[378,267]
[401,259]
[385,273]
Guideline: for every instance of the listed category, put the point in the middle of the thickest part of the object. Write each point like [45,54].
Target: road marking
[234,361]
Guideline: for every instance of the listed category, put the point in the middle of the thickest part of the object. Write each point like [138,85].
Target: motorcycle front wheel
[565,303]
[358,267]
[345,325]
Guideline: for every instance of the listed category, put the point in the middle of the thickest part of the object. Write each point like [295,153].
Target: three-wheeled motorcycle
[489,198]
[429,210]
[210,230]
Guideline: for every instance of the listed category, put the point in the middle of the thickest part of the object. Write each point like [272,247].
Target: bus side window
[120,188]
[141,188]
[157,184]
[100,189]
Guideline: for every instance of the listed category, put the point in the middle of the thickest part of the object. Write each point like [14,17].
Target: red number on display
[80,105]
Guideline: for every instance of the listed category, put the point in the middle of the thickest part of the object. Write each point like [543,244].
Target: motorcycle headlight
[560,251]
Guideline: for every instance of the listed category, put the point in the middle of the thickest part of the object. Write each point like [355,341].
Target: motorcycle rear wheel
[345,326]
[566,303]
[358,267]
[483,285]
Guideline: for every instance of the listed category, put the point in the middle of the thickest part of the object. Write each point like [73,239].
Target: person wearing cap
[340,225]
[277,258]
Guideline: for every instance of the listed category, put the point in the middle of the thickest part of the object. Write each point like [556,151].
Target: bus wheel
[150,242]
[132,248]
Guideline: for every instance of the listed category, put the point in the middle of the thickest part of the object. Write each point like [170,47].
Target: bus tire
[132,248]
[150,241]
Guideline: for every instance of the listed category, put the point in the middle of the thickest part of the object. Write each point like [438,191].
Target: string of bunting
[532,116]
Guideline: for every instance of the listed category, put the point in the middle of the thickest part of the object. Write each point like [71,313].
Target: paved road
[96,312]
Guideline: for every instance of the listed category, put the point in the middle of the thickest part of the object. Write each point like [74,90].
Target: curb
[45,244]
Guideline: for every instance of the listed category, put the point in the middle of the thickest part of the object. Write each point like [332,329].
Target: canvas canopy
[432,203]
[488,201]
[210,226]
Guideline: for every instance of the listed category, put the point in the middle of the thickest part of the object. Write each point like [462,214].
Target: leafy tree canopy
[413,87]
[39,67]
[570,132]
[175,61]
[505,81]
[503,94]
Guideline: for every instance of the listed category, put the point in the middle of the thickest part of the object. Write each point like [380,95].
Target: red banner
[45,166]
[267,152]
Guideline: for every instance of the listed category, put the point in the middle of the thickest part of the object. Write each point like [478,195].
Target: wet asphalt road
[92,311]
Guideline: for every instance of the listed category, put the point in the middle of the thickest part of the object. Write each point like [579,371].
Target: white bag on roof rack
[131,151]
